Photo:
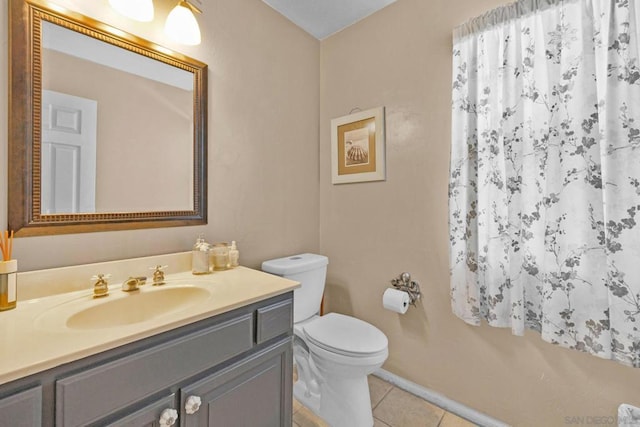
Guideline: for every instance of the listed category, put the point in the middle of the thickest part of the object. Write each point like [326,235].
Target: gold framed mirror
[107,131]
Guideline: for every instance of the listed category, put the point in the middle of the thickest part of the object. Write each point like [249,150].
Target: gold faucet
[131,284]
[101,287]
[158,275]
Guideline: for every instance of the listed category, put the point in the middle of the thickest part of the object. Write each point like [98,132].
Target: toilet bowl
[344,351]
[333,353]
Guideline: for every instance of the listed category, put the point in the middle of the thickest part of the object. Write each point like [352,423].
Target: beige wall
[401,58]
[263,139]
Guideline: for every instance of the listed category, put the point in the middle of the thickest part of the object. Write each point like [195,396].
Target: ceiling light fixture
[140,10]
[181,25]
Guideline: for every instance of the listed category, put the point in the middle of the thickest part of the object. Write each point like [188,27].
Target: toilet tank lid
[294,264]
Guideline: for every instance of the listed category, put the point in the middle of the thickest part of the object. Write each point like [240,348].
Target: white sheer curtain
[544,195]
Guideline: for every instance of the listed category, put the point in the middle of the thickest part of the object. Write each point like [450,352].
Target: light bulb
[140,10]
[182,26]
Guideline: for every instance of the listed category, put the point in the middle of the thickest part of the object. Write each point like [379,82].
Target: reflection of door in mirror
[68,168]
[145,121]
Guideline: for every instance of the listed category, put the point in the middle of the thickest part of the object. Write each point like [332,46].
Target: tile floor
[392,407]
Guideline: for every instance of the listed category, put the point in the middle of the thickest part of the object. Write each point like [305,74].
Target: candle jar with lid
[219,256]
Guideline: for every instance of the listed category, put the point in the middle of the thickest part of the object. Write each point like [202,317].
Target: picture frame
[358,147]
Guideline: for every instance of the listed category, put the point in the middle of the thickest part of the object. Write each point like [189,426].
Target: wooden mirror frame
[25,84]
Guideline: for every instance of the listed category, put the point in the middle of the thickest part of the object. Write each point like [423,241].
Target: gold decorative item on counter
[8,273]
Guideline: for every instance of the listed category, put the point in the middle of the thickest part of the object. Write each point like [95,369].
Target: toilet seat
[346,336]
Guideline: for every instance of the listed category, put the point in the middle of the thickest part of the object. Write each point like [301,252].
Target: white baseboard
[440,400]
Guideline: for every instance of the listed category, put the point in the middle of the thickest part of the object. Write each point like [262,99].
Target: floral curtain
[544,194]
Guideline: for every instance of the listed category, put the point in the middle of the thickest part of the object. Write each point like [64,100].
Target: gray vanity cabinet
[238,364]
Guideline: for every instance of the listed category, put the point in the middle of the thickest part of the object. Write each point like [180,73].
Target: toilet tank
[308,269]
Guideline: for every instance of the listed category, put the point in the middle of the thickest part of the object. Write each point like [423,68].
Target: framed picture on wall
[358,147]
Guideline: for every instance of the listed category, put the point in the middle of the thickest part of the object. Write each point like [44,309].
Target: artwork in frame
[358,147]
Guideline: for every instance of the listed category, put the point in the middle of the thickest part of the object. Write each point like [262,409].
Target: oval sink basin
[122,309]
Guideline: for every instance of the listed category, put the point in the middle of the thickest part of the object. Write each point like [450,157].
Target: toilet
[333,353]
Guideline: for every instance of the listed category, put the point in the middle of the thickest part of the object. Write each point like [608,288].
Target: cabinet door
[255,392]
[149,416]
[22,409]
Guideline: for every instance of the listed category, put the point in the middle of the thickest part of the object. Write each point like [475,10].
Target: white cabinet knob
[168,417]
[192,404]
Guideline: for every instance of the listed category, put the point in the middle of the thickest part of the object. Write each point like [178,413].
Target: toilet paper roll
[396,300]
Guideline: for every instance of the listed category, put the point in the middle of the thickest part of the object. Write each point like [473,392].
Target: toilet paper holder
[404,283]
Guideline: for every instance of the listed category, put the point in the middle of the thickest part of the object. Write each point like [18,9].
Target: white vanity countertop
[29,345]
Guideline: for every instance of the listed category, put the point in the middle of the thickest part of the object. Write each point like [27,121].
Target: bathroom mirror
[107,131]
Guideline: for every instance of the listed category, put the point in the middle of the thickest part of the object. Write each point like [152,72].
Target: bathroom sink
[122,309]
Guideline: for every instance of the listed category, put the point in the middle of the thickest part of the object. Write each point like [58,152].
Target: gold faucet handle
[101,286]
[158,274]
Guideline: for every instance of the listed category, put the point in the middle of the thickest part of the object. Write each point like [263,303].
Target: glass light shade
[182,26]
[140,10]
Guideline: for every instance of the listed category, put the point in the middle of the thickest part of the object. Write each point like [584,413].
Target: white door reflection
[69,134]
